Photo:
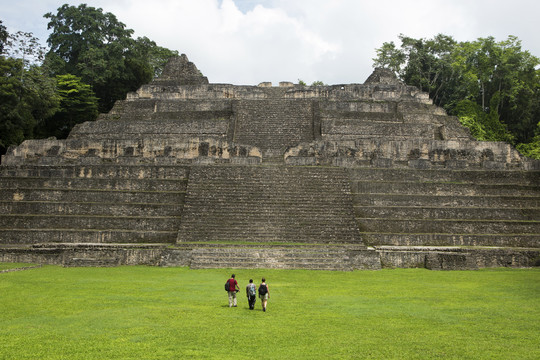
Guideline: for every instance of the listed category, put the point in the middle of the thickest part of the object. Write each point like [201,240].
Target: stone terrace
[341,177]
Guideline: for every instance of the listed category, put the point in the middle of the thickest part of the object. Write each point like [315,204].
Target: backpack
[227,286]
[252,290]
[262,290]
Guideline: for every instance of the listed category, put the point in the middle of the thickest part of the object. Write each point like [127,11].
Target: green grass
[177,313]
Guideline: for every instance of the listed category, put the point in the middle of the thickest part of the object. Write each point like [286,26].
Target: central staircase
[260,204]
[268,256]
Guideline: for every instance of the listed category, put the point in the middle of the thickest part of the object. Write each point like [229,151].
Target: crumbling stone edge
[181,255]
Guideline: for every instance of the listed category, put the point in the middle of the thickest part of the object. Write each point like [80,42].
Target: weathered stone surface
[180,71]
[186,173]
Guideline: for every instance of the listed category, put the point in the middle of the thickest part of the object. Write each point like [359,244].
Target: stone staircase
[321,257]
[412,207]
[264,204]
[274,123]
[90,204]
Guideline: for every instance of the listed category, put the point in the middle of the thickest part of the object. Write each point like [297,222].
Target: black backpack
[227,286]
[262,290]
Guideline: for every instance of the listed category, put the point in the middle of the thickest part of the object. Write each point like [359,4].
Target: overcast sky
[245,42]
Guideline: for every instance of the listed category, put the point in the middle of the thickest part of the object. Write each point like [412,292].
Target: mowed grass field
[177,313]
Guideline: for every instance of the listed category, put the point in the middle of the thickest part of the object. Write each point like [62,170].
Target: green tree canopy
[3,37]
[77,105]
[98,48]
[27,93]
[493,87]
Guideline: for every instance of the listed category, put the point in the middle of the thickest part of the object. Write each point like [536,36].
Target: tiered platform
[342,177]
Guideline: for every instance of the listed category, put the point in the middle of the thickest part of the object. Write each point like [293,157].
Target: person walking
[233,289]
[251,293]
[263,293]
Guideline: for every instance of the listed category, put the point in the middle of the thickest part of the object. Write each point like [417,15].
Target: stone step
[193,105]
[276,221]
[100,261]
[275,215]
[258,235]
[249,257]
[93,208]
[446,201]
[363,106]
[449,226]
[119,236]
[368,105]
[90,196]
[273,123]
[284,257]
[333,263]
[107,171]
[159,128]
[263,231]
[453,189]
[454,239]
[291,205]
[470,213]
[255,265]
[332,260]
[250,251]
[91,183]
[102,222]
[255,207]
[302,188]
[479,177]
[358,117]
[351,129]
[180,115]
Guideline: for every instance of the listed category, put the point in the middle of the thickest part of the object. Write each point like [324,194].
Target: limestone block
[286,84]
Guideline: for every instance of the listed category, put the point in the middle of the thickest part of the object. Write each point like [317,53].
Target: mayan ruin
[185,172]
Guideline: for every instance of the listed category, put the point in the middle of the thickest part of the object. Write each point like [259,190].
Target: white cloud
[250,41]
[228,45]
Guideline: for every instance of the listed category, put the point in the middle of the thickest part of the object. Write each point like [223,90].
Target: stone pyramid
[350,176]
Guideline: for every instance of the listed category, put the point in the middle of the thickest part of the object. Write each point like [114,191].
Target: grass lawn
[177,313]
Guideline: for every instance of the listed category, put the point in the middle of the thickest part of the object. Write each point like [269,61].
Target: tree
[77,105]
[531,149]
[27,93]
[502,71]
[426,64]
[155,56]
[100,50]
[493,87]
[3,37]
[26,47]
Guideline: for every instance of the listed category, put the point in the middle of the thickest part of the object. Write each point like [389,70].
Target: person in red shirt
[233,289]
